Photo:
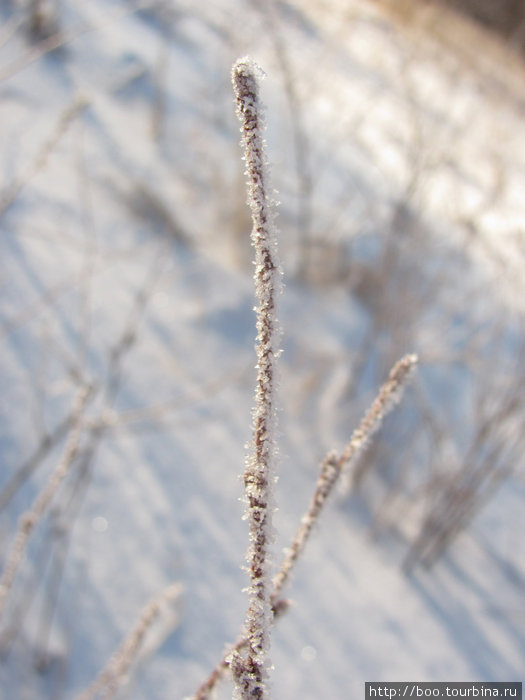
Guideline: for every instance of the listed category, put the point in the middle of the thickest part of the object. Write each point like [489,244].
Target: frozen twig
[31,518]
[389,395]
[9,195]
[22,474]
[250,671]
[331,469]
[115,673]
[332,466]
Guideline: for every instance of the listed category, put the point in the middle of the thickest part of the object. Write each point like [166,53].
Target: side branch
[332,466]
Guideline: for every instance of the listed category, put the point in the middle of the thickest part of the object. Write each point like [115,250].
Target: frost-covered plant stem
[331,469]
[250,671]
[333,465]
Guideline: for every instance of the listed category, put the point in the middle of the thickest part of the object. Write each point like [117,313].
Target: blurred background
[394,134]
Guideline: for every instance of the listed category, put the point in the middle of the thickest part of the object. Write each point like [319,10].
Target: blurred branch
[11,192]
[115,674]
[32,517]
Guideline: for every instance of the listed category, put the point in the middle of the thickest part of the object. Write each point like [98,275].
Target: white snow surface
[128,220]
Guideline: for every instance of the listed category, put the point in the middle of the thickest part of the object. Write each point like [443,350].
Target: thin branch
[11,192]
[114,674]
[250,673]
[332,466]
[26,470]
[31,518]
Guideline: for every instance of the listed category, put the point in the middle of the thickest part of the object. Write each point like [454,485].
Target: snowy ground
[125,264]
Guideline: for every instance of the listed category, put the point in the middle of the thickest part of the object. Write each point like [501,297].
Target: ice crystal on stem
[250,669]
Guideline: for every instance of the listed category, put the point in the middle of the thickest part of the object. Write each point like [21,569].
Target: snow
[125,263]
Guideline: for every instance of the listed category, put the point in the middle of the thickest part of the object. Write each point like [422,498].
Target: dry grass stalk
[32,517]
[330,471]
[66,118]
[23,473]
[115,673]
[389,395]
[250,672]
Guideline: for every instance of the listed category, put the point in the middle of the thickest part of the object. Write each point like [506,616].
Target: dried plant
[248,658]
[66,118]
[452,500]
[114,675]
[23,473]
[250,672]
[31,518]
[333,465]
[331,469]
